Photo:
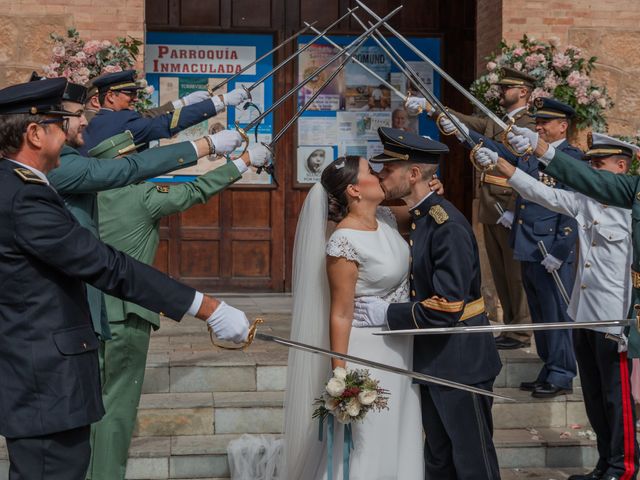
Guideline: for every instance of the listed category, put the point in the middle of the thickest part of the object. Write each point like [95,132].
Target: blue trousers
[554,347]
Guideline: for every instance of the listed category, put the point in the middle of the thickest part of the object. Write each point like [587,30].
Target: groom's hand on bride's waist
[370,312]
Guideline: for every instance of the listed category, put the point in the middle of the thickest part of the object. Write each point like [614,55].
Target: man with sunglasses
[78,178]
[117,92]
[49,378]
[496,195]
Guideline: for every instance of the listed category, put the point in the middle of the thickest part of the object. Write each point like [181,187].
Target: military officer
[602,290]
[49,379]
[495,196]
[130,221]
[532,224]
[117,92]
[78,178]
[445,291]
[92,105]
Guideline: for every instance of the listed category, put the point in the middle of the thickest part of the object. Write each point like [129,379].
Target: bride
[364,256]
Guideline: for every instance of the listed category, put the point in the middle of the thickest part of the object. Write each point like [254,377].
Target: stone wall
[26,24]
[608,29]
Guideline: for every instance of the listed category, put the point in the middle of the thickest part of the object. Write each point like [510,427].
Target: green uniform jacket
[130,219]
[79,178]
[609,189]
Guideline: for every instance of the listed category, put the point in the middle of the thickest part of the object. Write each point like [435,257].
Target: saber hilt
[555,275]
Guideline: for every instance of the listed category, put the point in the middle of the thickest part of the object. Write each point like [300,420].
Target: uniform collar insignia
[438,214]
[28,176]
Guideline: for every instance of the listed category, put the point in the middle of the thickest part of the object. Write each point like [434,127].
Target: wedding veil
[307,372]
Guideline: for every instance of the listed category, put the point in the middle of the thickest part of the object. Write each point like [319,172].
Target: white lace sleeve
[339,246]
[386,215]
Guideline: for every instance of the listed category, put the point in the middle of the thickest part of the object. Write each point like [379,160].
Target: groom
[445,292]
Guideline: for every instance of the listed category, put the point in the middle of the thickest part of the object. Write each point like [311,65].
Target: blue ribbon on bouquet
[347,446]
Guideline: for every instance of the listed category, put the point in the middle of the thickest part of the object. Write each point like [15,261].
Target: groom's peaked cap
[400,145]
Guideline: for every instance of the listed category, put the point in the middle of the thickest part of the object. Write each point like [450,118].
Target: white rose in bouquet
[343,417]
[331,403]
[335,387]
[353,407]
[367,397]
[340,373]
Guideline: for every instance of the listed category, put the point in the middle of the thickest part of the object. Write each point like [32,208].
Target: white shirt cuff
[517,180]
[242,167]
[548,155]
[179,103]
[218,104]
[194,146]
[195,306]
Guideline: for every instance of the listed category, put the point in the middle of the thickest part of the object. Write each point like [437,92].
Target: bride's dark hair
[335,179]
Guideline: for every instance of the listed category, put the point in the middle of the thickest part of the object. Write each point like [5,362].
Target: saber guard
[506,143]
[474,162]
[243,346]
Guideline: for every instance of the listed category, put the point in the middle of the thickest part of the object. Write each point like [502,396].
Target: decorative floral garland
[79,60]
[561,73]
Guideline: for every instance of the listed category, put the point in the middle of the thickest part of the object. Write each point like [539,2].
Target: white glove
[191,99]
[235,97]
[259,155]
[521,139]
[370,312]
[415,105]
[486,157]
[448,127]
[229,323]
[506,219]
[551,263]
[226,141]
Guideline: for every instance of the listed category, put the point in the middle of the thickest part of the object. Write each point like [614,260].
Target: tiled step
[540,473]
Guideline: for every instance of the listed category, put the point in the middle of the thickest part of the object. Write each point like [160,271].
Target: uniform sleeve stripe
[443,305]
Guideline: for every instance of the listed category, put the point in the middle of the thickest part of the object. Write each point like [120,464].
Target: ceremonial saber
[555,275]
[477,103]
[255,122]
[274,49]
[380,366]
[355,60]
[296,53]
[513,328]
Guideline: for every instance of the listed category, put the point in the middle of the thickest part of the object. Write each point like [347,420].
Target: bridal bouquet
[349,395]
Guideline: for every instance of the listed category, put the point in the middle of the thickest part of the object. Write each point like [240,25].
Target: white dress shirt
[602,289]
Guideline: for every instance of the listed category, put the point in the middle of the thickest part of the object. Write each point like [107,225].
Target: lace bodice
[382,257]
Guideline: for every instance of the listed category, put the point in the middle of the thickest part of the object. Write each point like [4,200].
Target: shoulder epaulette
[28,176]
[438,214]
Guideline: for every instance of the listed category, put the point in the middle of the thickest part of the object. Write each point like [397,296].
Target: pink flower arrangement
[80,61]
[561,73]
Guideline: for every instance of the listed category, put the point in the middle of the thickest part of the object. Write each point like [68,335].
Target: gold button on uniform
[84,345]
[413,293]
[638,195]
[411,242]
[411,276]
[520,222]
[522,207]
[413,226]
[181,160]
[416,213]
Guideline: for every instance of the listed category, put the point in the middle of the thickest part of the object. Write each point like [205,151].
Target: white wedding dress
[388,445]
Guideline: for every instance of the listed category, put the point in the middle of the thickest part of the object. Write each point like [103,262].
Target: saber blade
[477,103]
[379,366]
[262,57]
[511,328]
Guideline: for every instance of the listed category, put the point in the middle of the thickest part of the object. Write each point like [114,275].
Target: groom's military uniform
[445,291]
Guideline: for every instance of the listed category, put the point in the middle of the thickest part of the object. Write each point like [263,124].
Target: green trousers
[122,364]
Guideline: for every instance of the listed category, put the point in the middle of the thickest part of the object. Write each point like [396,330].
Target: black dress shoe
[531,386]
[549,390]
[593,475]
[506,343]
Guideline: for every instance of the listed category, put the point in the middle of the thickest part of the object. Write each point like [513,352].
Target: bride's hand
[436,185]
[370,312]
